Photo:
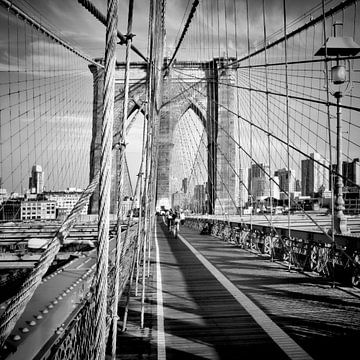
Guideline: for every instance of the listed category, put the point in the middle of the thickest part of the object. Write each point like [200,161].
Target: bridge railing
[303,250]
[75,338]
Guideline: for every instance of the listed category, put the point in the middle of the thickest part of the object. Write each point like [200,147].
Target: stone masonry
[202,87]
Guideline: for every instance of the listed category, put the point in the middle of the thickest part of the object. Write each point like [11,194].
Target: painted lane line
[161,347]
[284,341]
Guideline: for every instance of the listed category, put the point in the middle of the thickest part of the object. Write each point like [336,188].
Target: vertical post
[142,315]
[212,122]
[139,232]
[340,221]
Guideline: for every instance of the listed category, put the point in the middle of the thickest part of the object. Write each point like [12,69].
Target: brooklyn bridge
[179,179]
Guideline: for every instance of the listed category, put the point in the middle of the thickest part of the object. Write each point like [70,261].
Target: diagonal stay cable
[186,27]
[19,301]
[88,5]
[266,173]
[293,147]
[19,13]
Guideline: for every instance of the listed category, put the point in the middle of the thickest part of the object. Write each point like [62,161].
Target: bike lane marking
[283,340]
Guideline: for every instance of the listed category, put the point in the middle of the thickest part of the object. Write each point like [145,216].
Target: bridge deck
[243,306]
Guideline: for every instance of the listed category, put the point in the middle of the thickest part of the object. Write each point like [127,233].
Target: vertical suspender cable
[142,233]
[267,111]
[226,31]
[228,78]
[154,11]
[9,98]
[147,194]
[150,70]
[105,181]
[151,166]
[287,119]
[119,249]
[250,109]
[137,248]
[139,229]
[241,177]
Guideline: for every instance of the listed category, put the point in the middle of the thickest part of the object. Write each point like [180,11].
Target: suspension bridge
[241,115]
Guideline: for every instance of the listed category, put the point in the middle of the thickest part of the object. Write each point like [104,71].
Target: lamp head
[338,74]
[339,46]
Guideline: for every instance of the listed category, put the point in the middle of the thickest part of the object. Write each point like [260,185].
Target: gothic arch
[184,90]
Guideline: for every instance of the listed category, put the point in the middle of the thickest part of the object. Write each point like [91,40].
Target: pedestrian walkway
[216,301]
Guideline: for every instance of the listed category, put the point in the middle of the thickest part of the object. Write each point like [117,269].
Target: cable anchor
[126,37]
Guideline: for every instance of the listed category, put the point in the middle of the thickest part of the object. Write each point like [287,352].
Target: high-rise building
[314,175]
[351,172]
[184,186]
[177,199]
[3,195]
[243,191]
[199,198]
[259,182]
[38,210]
[66,200]
[36,181]
[275,189]
[287,181]
[10,209]
[351,181]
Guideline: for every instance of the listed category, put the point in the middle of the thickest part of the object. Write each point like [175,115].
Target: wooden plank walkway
[221,302]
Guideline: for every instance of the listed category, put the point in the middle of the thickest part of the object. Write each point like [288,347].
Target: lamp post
[339,49]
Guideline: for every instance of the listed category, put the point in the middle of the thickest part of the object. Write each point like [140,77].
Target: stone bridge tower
[202,87]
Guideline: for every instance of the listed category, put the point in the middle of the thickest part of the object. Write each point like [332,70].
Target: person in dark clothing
[170,218]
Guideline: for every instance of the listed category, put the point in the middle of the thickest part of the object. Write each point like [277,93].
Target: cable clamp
[127,37]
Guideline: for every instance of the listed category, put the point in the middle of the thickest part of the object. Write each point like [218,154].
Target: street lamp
[339,50]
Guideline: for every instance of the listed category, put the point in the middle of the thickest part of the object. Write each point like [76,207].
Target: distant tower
[243,187]
[36,182]
[314,175]
[184,186]
[286,180]
[259,182]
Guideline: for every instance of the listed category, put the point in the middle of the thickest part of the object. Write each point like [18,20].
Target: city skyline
[280,182]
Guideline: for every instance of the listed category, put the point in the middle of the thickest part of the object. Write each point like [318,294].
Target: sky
[70,20]
[75,25]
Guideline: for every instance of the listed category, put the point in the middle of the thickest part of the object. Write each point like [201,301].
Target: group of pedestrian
[175,218]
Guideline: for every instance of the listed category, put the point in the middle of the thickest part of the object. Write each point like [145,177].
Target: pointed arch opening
[188,166]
